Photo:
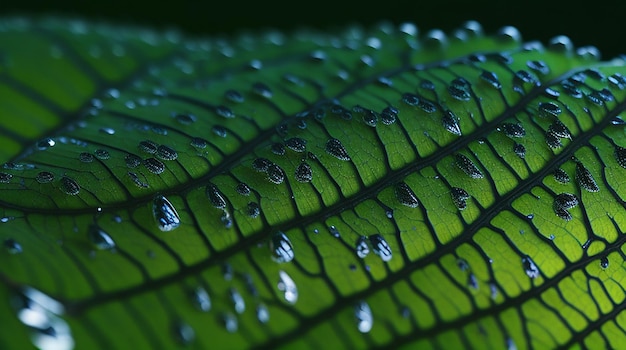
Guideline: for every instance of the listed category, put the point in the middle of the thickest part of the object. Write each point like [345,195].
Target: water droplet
[69,186]
[364,318]
[261,164]
[253,210]
[85,157]
[226,219]
[459,89]
[132,161]
[99,238]
[287,286]
[472,282]
[262,90]
[381,247]
[165,214]
[282,250]
[405,195]
[230,322]
[278,149]
[462,264]
[451,123]
[102,154]
[296,144]
[334,231]
[262,313]
[361,247]
[410,99]
[215,196]
[559,129]
[148,146]
[388,115]
[166,153]
[529,267]
[618,81]
[184,333]
[491,78]
[238,302]
[459,197]
[44,177]
[538,66]
[137,181]
[185,119]
[585,179]
[198,142]
[42,314]
[513,129]
[5,178]
[12,246]
[520,150]
[243,189]
[200,299]
[45,144]
[275,174]
[219,131]
[234,96]
[468,166]
[304,173]
[154,165]
[561,176]
[604,262]
[335,148]
[107,131]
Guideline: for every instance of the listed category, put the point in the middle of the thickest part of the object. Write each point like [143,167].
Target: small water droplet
[604,262]
[45,144]
[529,267]
[99,238]
[237,299]
[381,247]
[107,131]
[69,186]
[334,231]
[5,178]
[335,148]
[165,214]
[200,299]
[154,165]
[287,286]
[12,246]
[364,318]
[102,154]
[262,313]
[44,177]
[361,247]
[184,333]
[230,322]
[85,157]
[166,153]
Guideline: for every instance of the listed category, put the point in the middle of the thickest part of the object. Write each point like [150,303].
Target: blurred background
[600,23]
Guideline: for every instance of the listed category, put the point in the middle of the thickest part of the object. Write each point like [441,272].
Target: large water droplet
[361,248]
[364,318]
[42,314]
[12,246]
[381,247]
[165,214]
[287,286]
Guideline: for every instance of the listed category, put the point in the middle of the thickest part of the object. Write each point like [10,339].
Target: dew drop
[513,129]
[304,173]
[5,178]
[491,78]
[132,161]
[410,99]
[198,142]
[361,247]
[604,262]
[226,219]
[230,322]
[561,176]
[227,271]
[451,123]
[389,115]
[585,179]
[44,177]
[262,90]
[278,149]
[148,146]
[200,299]
[220,131]
[166,153]
[529,267]
[234,96]
[102,154]
[184,333]
[363,316]
[137,181]
[243,189]
[165,214]
[334,231]
[520,150]
[275,174]
[405,195]
[459,197]
[282,250]
[335,148]
[45,144]
[99,238]
[287,286]
[559,129]
[215,196]
[296,144]
[85,157]
[154,165]
[69,186]
[468,166]
[262,313]
[185,119]
[381,247]
[12,246]
[261,164]
[238,302]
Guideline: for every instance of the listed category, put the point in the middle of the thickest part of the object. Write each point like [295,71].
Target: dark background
[598,22]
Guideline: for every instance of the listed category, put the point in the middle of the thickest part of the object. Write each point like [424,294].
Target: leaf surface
[360,189]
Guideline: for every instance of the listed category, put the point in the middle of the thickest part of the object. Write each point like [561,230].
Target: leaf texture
[361,189]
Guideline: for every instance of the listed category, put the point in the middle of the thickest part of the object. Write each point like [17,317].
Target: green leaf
[366,188]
